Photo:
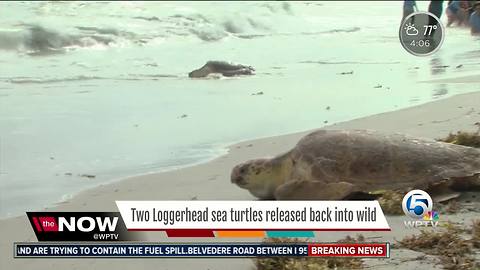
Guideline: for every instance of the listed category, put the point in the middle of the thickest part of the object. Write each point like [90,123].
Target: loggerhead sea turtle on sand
[222,67]
[345,164]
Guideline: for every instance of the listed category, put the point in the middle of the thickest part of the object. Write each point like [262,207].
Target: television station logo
[79,226]
[418,205]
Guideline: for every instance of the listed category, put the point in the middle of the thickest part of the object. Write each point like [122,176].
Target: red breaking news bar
[349,250]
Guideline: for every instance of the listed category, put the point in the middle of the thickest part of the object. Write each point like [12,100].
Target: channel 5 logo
[418,205]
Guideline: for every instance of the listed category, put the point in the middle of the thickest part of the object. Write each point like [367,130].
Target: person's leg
[475,23]
[436,7]
[408,8]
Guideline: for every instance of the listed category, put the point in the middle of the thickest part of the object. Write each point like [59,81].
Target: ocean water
[101,89]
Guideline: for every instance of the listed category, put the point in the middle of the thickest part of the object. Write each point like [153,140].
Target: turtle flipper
[314,190]
[450,189]
[468,183]
[442,193]
[237,72]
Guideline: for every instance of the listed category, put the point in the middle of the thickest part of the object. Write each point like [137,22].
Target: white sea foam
[101,89]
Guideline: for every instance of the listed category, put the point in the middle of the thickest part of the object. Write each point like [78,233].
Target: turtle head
[201,72]
[259,176]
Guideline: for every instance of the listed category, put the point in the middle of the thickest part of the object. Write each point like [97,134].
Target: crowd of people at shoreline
[464,13]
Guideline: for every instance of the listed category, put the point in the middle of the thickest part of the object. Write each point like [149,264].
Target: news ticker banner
[184,250]
[227,219]
[222,219]
[251,218]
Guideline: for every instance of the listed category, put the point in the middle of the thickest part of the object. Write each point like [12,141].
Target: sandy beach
[210,181]
[96,105]
[103,87]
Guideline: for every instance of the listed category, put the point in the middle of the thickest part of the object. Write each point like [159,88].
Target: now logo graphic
[83,224]
[79,226]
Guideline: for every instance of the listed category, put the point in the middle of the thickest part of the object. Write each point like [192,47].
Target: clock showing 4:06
[421,33]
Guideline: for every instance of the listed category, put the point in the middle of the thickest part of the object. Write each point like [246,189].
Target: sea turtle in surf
[221,67]
[348,164]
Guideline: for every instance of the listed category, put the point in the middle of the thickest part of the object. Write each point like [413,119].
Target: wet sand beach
[96,104]
[86,102]
[210,181]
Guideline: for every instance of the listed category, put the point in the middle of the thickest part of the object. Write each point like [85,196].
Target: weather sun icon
[410,29]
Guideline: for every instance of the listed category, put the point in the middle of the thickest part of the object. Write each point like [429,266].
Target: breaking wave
[140,28]
[38,40]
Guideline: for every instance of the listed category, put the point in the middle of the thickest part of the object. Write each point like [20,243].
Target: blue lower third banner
[130,250]
[207,250]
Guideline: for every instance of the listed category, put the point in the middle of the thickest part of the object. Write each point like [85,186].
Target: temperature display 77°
[421,33]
